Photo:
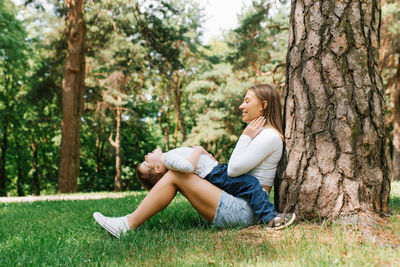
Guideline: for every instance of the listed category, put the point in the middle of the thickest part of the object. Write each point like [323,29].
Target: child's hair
[148,178]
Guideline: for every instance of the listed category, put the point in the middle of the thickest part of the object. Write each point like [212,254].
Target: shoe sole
[100,220]
[286,224]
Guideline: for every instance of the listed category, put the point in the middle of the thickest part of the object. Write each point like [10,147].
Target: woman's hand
[254,127]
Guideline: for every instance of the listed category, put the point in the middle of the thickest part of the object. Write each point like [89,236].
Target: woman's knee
[173,177]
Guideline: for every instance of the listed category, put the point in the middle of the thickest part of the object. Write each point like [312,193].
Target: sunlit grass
[53,233]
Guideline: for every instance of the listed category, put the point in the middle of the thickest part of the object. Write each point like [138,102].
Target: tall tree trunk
[336,162]
[176,128]
[20,177]
[99,158]
[100,142]
[20,171]
[35,178]
[117,146]
[395,95]
[72,100]
[166,129]
[178,104]
[3,177]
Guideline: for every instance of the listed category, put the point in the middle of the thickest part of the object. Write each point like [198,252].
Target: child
[197,160]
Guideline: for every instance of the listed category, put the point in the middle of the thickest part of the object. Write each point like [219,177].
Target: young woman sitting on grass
[198,161]
[257,153]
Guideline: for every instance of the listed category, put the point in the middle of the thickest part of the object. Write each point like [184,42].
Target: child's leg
[203,196]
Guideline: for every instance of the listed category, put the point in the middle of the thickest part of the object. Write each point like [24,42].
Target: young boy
[197,160]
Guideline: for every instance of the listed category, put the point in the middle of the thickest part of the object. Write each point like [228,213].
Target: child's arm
[195,156]
[175,162]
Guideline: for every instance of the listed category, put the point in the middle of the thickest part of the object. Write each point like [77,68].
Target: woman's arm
[248,152]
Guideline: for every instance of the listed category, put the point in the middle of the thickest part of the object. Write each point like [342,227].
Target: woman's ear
[265,104]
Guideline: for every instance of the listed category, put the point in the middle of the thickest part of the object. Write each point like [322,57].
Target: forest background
[150,82]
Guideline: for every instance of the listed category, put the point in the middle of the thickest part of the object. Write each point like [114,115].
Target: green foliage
[12,39]
[389,9]
[217,97]
[173,90]
[13,67]
[259,42]
[252,50]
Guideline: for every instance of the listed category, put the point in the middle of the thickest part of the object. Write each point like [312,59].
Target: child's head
[150,171]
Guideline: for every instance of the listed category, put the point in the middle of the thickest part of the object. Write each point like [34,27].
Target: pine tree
[336,162]
[73,90]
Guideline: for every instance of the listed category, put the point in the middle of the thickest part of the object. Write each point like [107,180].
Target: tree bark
[72,100]
[395,95]
[99,157]
[117,146]
[176,127]
[166,129]
[336,161]
[3,177]
[179,121]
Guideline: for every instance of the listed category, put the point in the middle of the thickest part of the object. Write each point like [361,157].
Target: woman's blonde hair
[272,113]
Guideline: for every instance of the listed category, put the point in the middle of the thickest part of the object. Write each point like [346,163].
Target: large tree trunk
[72,101]
[3,178]
[336,162]
[395,95]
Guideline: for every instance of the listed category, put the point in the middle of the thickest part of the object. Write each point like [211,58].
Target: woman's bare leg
[203,196]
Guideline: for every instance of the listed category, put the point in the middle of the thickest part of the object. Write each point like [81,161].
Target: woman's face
[251,107]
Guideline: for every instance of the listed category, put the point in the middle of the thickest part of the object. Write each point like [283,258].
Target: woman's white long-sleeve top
[258,157]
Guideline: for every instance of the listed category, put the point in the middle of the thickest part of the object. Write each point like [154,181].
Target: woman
[257,152]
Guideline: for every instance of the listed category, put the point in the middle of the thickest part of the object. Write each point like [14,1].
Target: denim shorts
[233,212]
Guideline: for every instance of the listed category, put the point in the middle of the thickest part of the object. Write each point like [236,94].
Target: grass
[53,233]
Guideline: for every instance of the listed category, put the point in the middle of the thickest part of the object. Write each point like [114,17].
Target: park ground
[60,230]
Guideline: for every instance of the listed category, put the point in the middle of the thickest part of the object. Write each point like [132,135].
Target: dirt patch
[383,235]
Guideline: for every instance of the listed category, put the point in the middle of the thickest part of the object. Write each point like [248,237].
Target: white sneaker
[281,221]
[115,226]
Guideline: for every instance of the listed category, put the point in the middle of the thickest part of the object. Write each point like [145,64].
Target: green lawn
[52,233]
